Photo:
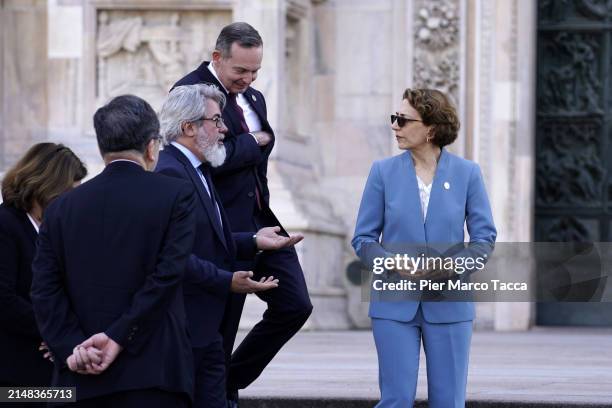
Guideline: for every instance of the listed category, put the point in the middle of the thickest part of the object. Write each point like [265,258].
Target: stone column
[65,85]
[520,195]
[501,74]
[359,59]
[23,68]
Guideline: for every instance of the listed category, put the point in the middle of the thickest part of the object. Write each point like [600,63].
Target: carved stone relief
[558,10]
[569,166]
[486,94]
[513,49]
[439,72]
[572,184]
[437,42]
[570,82]
[144,53]
[571,160]
[437,25]
[570,229]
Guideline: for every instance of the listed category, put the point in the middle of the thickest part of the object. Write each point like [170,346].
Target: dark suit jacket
[246,163]
[111,256]
[22,363]
[209,271]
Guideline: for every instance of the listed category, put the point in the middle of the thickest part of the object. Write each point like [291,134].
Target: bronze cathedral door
[573,137]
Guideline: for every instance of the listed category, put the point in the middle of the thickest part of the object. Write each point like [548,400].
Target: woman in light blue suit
[423,196]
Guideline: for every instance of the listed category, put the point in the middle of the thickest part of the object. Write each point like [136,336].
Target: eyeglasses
[219,122]
[401,120]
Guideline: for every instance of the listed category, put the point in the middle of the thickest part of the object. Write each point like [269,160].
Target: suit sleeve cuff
[246,249]
[64,350]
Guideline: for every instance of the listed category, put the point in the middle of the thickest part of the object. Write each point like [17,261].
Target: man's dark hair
[242,33]
[127,122]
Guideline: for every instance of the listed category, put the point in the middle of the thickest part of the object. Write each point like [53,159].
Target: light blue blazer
[390,217]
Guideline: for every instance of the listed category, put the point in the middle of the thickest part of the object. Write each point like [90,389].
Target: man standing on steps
[242,186]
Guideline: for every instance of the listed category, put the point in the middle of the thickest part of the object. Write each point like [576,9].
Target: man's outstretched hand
[268,239]
[242,283]
[94,355]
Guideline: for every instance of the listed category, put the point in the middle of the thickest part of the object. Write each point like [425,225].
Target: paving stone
[544,367]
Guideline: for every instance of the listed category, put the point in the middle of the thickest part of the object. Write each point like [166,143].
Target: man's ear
[188,129]
[216,56]
[151,151]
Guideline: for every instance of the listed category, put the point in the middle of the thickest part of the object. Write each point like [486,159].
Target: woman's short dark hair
[436,111]
[43,173]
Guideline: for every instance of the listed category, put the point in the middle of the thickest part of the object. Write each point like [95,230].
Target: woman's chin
[403,146]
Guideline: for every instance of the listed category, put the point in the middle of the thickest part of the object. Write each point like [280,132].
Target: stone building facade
[333,71]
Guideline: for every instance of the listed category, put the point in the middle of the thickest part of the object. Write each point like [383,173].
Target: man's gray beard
[215,154]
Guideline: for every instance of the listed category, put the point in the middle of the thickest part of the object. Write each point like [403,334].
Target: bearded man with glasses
[243,188]
[192,125]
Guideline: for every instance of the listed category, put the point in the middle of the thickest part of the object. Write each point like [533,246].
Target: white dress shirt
[34,223]
[195,162]
[424,193]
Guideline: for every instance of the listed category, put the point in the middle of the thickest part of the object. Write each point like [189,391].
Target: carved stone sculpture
[436,57]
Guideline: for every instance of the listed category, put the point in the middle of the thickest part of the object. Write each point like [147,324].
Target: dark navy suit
[207,278]
[239,181]
[111,257]
[22,363]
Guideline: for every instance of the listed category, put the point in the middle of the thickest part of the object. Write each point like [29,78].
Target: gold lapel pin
[446,185]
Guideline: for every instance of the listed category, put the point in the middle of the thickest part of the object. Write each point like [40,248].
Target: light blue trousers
[447,349]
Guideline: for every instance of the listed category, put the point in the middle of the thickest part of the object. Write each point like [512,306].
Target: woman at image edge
[45,171]
[423,195]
